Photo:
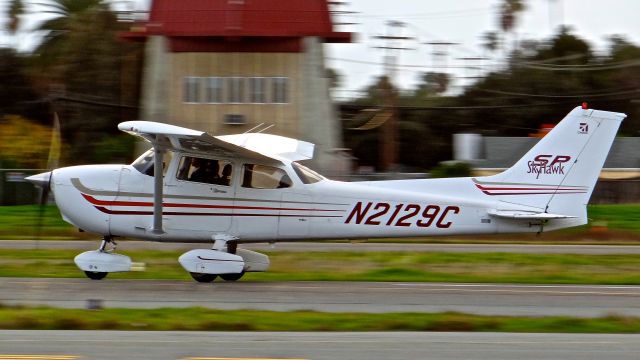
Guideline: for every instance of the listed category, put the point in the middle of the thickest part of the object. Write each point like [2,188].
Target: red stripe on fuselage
[132,212]
[97,202]
[550,188]
[493,191]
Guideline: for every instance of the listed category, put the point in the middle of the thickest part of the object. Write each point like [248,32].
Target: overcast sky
[459,21]
[464,22]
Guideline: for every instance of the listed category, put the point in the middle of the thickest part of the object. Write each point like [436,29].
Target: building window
[235,90]
[234,119]
[191,89]
[279,89]
[213,86]
[257,90]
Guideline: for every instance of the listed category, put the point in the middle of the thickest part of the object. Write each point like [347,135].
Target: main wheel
[203,278]
[96,275]
[231,277]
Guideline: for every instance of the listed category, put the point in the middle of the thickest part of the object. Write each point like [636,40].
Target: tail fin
[558,174]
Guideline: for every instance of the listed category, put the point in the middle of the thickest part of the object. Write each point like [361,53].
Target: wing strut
[157,186]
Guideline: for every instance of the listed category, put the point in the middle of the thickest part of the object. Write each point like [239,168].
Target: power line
[581,67]
[366,62]
[433,15]
[634,91]
[482,107]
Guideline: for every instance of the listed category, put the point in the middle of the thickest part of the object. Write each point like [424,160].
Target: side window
[264,177]
[208,171]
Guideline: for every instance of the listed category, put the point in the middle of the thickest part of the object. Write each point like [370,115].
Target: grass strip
[362,266]
[619,222]
[43,318]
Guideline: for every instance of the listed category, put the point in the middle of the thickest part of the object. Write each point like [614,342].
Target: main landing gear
[224,260]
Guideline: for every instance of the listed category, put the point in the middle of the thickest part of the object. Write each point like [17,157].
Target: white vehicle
[229,190]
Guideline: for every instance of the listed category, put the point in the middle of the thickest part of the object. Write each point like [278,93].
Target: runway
[372,297]
[332,246]
[98,345]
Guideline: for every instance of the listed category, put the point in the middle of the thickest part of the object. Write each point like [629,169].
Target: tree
[24,143]
[335,78]
[490,41]
[433,83]
[16,9]
[82,58]
[508,16]
[509,11]
[16,93]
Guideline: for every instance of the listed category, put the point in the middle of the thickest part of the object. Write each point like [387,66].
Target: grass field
[362,266]
[249,320]
[618,223]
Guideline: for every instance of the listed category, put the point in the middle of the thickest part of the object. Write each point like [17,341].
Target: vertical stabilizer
[559,173]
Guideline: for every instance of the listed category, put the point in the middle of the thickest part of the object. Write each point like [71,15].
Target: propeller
[43,180]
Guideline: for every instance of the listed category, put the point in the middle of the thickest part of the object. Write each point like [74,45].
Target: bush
[446,170]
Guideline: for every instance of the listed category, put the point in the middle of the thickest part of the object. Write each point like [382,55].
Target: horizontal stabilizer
[527,215]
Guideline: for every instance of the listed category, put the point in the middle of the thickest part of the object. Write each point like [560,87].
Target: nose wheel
[96,275]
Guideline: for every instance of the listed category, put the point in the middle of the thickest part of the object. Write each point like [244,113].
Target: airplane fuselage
[115,200]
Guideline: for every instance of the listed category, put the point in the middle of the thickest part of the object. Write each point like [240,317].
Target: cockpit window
[145,162]
[209,171]
[264,177]
[307,175]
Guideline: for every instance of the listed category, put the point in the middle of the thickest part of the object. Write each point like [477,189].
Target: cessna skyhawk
[228,190]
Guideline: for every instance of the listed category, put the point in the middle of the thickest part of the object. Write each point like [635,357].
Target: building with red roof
[226,66]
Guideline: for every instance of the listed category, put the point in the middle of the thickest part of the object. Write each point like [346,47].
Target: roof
[240,18]
[503,152]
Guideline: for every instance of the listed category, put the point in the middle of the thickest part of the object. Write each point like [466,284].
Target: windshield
[145,162]
[307,175]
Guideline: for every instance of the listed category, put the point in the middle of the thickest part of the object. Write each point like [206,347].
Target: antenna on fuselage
[253,128]
[267,128]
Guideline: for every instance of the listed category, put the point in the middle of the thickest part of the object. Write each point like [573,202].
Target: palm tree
[16,9]
[70,17]
[509,11]
[491,43]
[82,56]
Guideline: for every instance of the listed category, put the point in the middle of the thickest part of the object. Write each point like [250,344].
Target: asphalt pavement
[371,297]
[159,345]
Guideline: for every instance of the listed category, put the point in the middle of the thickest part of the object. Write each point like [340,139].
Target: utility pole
[388,133]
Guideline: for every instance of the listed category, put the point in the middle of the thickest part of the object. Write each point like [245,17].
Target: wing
[273,145]
[188,140]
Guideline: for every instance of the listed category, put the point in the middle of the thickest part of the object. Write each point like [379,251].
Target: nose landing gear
[97,264]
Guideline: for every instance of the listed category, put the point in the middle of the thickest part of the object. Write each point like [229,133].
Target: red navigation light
[584,105]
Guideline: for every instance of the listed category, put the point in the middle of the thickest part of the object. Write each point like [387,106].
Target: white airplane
[229,190]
